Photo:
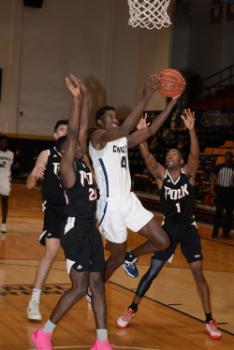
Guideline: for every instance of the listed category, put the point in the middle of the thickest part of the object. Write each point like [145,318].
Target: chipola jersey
[81,198]
[112,168]
[6,160]
[177,198]
[52,190]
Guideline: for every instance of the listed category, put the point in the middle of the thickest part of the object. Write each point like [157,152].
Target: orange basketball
[170,82]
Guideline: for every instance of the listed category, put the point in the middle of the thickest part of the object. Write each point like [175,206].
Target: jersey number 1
[178,207]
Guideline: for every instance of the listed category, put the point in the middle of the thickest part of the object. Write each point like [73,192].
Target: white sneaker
[124,320]
[4,228]
[33,311]
[212,330]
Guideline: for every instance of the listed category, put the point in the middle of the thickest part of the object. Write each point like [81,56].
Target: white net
[149,14]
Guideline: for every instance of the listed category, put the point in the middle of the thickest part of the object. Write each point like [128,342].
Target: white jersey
[112,169]
[6,160]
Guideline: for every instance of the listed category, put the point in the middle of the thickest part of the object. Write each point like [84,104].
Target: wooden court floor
[170,316]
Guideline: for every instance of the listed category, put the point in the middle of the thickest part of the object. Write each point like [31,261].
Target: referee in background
[222,186]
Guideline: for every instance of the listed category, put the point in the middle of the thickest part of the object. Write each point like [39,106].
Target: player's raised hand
[150,85]
[73,85]
[189,119]
[84,89]
[143,123]
[176,97]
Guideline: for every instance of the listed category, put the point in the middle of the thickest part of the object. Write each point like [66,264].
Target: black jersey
[177,198]
[52,190]
[81,198]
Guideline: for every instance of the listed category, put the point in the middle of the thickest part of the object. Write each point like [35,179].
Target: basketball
[170,82]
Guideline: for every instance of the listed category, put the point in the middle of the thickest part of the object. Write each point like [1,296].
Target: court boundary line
[130,290]
[60,269]
[88,346]
[169,307]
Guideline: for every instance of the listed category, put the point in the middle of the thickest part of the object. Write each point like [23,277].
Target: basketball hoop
[149,14]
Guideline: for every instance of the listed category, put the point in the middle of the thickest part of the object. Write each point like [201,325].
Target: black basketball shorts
[185,234]
[82,245]
[53,219]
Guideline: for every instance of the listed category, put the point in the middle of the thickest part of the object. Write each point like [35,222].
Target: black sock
[208,317]
[133,307]
[130,256]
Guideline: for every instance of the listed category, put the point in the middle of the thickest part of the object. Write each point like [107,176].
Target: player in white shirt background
[6,161]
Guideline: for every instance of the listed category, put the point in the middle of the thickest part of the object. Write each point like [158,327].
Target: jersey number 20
[92,194]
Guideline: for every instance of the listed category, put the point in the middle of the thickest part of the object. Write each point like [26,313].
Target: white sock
[36,294]
[102,334]
[49,326]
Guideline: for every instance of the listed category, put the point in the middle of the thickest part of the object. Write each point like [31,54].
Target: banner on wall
[210,118]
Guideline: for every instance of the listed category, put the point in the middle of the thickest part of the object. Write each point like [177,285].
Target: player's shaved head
[101,111]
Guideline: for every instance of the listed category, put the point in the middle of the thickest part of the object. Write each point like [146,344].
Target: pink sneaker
[42,340]
[101,345]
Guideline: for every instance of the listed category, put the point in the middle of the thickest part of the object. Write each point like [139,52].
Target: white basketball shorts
[116,215]
[5,186]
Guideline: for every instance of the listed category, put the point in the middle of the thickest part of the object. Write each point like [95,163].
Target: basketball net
[149,14]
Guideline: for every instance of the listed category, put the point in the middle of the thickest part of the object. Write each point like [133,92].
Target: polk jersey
[81,198]
[112,169]
[6,160]
[52,190]
[177,198]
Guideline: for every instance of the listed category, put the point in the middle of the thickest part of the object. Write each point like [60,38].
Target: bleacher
[26,152]
[214,112]
[222,98]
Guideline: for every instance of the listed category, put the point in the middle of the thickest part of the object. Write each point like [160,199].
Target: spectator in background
[6,161]
[222,186]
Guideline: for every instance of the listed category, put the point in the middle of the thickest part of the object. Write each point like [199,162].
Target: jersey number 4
[124,162]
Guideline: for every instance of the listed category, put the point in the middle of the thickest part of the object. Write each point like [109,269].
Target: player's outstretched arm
[100,136]
[193,160]
[84,118]
[38,170]
[67,172]
[142,135]
[155,168]
[132,119]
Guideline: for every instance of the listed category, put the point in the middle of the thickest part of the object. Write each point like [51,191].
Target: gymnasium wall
[90,38]
[10,48]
